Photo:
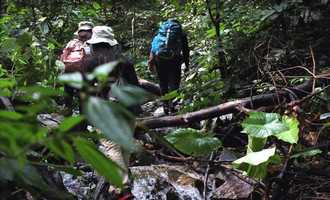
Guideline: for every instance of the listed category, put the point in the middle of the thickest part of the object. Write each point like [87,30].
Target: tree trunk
[284,96]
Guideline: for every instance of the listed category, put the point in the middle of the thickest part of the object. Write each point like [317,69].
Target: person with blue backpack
[169,49]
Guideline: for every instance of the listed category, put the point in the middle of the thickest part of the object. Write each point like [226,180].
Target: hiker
[169,49]
[73,54]
[104,49]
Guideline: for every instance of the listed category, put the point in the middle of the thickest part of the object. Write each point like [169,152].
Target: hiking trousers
[169,75]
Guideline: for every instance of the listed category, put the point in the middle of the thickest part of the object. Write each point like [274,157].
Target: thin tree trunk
[216,20]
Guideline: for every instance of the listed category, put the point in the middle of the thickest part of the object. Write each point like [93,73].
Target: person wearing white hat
[74,50]
[72,57]
[105,48]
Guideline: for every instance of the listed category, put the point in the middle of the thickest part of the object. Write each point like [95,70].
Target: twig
[276,90]
[186,159]
[206,177]
[287,158]
[313,59]
[293,103]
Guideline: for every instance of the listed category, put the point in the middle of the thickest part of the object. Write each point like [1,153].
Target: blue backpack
[167,43]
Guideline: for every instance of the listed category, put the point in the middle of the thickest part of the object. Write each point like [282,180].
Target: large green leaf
[256,158]
[61,148]
[10,115]
[69,123]
[262,125]
[129,95]
[291,135]
[100,163]
[102,72]
[193,142]
[114,121]
[255,144]
[11,170]
[73,79]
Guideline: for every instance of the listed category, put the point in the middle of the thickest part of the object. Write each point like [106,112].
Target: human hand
[151,66]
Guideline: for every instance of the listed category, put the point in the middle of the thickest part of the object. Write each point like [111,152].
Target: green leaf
[59,64]
[8,45]
[61,148]
[292,135]
[103,71]
[262,125]
[73,79]
[7,83]
[193,142]
[100,163]
[69,123]
[170,95]
[44,28]
[24,39]
[114,121]
[11,170]
[255,144]
[38,92]
[96,6]
[129,95]
[10,115]
[308,153]
[256,158]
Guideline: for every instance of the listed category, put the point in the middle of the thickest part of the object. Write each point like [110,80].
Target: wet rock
[165,182]
[50,121]
[234,186]
[82,187]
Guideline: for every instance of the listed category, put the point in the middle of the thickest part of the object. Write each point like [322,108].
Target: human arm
[151,62]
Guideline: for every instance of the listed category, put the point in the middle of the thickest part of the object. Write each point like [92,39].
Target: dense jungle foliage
[239,49]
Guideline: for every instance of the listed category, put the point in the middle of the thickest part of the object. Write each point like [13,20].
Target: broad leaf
[170,95]
[308,153]
[255,144]
[61,148]
[114,121]
[256,158]
[193,142]
[11,170]
[69,123]
[262,125]
[10,115]
[7,83]
[292,135]
[102,71]
[73,79]
[38,92]
[100,163]
[129,95]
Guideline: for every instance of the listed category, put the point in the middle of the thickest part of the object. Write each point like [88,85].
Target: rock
[165,182]
[50,121]
[235,186]
[159,112]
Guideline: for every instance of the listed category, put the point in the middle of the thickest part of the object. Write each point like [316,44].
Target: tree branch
[226,108]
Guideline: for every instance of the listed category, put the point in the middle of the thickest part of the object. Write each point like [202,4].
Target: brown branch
[225,108]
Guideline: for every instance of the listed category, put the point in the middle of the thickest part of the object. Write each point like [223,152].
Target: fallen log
[279,97]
